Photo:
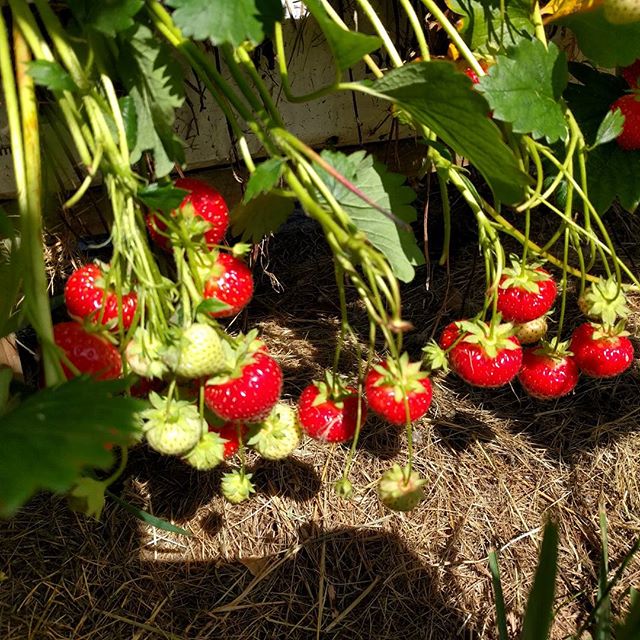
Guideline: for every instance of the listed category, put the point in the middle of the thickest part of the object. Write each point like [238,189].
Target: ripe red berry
[249,393]
[88,352]
[525,294]
[545,376]
[206,203]
[327,416]
[87,299]
[229,432]
[230,282]
[599,354]
[472,75]
[449,335]
[632,74]
[629,105]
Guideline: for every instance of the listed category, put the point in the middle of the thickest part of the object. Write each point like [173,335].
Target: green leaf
[347,47]
[388,191]
[6,376]
[629,629]
[605,44]
[212,305]
[155,85]
[442,98]
[610,128]
[56,433]
[524,88]
[108,16]
[487,30]
[501,616]
[147,518]
[87,496]
[163,198]
[225,22]
[539,611]
[130,118]
[51,75]
[264,178]
[261,216]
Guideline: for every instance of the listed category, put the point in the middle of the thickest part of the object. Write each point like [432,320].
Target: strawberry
[229,281]
[622,11]
[472,75]
[89,353]
[230,432]
[629,105]
[605,301]
[204,203]
[387,384]
[401,490]
[601,352]
[86,297]
[532,331]
[548,373]
[236,486]
[208,452]
[525,292]
[250,389]
[196,352]
[143,355]
[172,427]
[449,335]
[328,411]
[486,356]
[278,435]
[632,74]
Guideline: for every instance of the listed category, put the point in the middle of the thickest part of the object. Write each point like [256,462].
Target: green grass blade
[602,624]
[539,612]
[501,616]
[630,627]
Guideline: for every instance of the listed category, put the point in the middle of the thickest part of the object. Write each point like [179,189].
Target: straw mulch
[297,562]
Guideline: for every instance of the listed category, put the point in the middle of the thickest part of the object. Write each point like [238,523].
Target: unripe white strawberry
[197,353]
[208,453]
[172,428]
[143,355]
[277,436]
[400,490]
[622,11]
[236,486]
[531,331]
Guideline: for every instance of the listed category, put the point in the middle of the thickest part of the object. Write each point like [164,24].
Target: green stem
[417,29]
[379,27]
[563,285]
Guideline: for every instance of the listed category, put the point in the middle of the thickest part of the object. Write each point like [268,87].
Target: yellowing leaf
[559,8]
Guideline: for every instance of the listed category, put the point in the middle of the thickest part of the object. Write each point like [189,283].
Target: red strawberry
[206,203]
[387,384]
[525,293]
[330,414]
[601,353]
[85,297]
[629,138]
[486,356]
[547,373]
[632,74]
[250,390]
[449,335]
[231,282]
[87,352]
[472,75]
[229,432]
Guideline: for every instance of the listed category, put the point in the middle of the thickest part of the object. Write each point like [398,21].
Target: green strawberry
[173,427]
[278,435]
[622,11]
[197,352]
[143,355]
[208,453]
[236,486]
[400,490]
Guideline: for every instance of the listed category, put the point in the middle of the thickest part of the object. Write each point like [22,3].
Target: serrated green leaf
[51,75]
[107,16]
[56,433]
[264,178]
[605,44]
[524,88]
[263,215]
[610,128]
[163,198]
[130,118]
[539,611]
[442,98]
[388,191]
[225,22]
[155,85]
[347,47]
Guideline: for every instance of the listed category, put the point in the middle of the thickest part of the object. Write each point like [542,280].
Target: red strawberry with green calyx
[251,386]
[486,355]
[600,351]
[230,432]
[605,301]
[387,385]
[548,372]
[525,293]
[87,298]
[230,281]
[328,410]
[629,105]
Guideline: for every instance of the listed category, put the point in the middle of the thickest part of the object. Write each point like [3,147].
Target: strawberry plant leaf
[347,47]
[387,190]
[260,216]
[596,37]
[130,118]
[264,178]
[51,75]
[610,128]
[154,82]
[458,115]
[225,22]
[212,305]
[524,88]
[107,16]
[164,198]
[56,433]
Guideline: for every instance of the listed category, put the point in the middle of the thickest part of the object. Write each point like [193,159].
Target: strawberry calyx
[239,352]
[605,300]
[435,357]
[403,376]
[333,389]
[609,332]
[493,338]
[523,276]
[555,349]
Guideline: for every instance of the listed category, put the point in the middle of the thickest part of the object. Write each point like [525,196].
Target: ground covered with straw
[297,562]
